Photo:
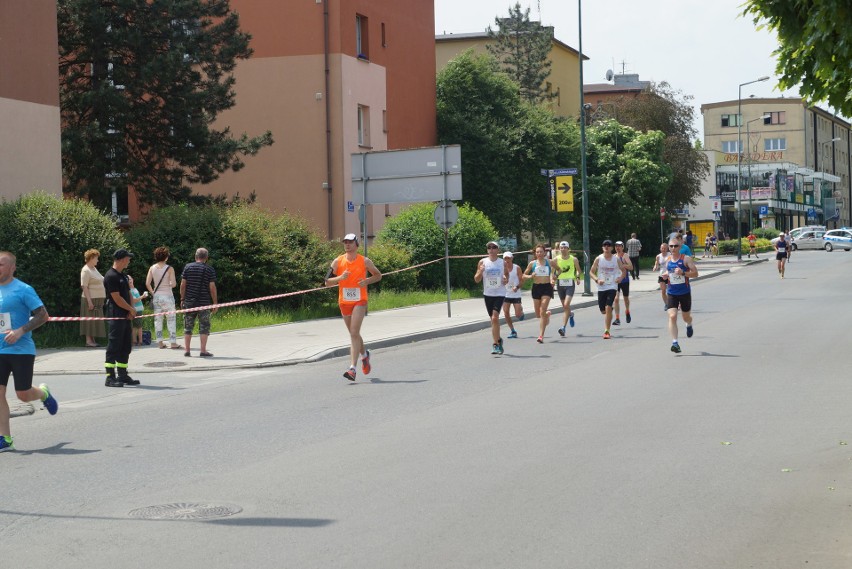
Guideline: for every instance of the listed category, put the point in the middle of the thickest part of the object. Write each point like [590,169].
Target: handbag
[161,279]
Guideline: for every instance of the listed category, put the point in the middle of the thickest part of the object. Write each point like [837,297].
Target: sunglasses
[492,247]
[672,244]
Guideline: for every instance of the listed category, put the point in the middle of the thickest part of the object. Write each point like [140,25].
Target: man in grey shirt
[633,248]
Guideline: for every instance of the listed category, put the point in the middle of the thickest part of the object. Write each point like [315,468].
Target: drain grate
[165,364]
[185,511]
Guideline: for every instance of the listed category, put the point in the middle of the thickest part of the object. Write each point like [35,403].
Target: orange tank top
[348,291]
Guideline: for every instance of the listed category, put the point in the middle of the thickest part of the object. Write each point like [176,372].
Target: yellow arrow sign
[564,193]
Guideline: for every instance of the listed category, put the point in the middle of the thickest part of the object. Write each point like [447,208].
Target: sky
[703,48]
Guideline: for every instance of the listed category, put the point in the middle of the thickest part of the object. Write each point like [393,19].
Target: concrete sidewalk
[313,340]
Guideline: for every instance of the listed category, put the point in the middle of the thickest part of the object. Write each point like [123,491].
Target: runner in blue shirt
[21,312]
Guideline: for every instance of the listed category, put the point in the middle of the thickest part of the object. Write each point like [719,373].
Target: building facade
[329,79]
[30,152]
[562,85]
[786,163]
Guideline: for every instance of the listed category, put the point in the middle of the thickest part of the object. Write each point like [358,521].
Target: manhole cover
[185,511]
[165,364]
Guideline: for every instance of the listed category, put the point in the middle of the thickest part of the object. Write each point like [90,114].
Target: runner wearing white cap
[566,276]
[513,292]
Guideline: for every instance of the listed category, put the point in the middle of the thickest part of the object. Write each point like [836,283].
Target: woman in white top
[92,299]
[160,282]
[660,264]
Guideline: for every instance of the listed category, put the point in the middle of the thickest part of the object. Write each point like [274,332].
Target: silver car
[837,239]
[807,239]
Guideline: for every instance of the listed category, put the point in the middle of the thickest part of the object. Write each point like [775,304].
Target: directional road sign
[564,193]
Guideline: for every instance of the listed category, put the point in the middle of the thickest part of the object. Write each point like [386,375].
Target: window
[731,120]
[362,44]
[775,144]
[729,146]
[779,117]
[363,125]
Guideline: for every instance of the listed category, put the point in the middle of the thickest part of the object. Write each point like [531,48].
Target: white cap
[350,237]
[619,242]
[508,254]
[564,244]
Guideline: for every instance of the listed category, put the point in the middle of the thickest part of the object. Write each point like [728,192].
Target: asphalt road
[579,453]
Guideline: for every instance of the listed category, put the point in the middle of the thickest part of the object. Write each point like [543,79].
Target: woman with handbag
[160,282]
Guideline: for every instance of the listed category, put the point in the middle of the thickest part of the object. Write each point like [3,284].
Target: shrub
[415,230]
[389,257]
[49,235]
[254,252]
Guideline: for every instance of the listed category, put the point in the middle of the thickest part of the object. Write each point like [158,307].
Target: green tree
[815,47]
[141,84]
[669,111]
[627,179]
[505,143]
[522,48]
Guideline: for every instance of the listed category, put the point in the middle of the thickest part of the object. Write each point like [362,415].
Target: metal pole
[739,171]
[444,205]
[364,203]
[748,146]
[587,283]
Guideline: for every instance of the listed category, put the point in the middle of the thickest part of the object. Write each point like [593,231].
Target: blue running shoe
[616,322]
[48,401]
[571,320]
[500,348]
[521,317]
[628,317]
[6,443]
[689,331]
[495,349]
[513,334]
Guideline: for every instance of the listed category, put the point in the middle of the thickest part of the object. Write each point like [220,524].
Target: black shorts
[508,300]
[682,301]
[662,279]
[565,290]
[542,289]
[20,366]
[624,288]
[780,256]
[493,304]
[606,298]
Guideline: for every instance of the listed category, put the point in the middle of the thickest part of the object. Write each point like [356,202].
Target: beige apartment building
[30,152]
[563,83]
[794,167]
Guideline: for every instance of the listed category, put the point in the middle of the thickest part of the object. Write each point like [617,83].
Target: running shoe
[689,331]
[500,348]
[628,317]
[606,335]
[521,317]
[513,334]
[6,443]
[349,374]
[49,402]
[617,322]
[562,331]
[540,340]
[676,348]
[495,349]
[365,363]
[571,320]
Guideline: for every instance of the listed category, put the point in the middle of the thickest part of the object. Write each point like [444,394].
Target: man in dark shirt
[118,306]
[198,288]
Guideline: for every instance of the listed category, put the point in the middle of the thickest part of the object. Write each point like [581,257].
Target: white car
[795,232]
[807,239]
[837,239]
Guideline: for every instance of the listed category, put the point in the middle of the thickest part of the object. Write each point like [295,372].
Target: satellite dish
[609,74]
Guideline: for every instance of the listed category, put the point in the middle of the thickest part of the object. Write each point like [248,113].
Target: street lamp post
[748,145]
[587,283]
[822,196]
[740,162]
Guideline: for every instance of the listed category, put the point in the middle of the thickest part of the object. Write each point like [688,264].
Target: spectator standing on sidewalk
[198,288]
[120,310]
[163,297]
[349,273]
[634,246]
[22,312]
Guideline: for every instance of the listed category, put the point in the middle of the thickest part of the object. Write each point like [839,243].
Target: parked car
[837,239]
[807,239]
[794,233]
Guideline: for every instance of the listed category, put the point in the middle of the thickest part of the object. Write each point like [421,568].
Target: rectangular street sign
[564,193]
[407,176]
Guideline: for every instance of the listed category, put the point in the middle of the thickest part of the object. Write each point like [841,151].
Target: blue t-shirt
[18,300]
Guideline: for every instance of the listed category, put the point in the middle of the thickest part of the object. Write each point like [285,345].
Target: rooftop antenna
[609,74]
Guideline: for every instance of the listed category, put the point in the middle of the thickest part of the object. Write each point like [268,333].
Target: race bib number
[542,270]
[492,282]
[5,322]
[608,279]
[352,294]
[675,278]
